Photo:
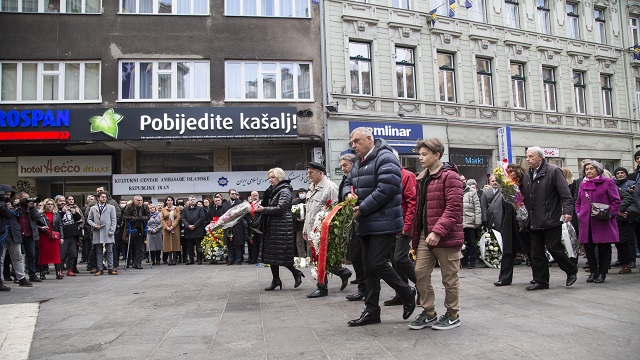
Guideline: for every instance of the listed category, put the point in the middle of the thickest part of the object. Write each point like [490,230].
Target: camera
[34,200]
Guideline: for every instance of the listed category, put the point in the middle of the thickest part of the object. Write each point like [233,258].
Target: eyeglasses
[49,204]
[233,194]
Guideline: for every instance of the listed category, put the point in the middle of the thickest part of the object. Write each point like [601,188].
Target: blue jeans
[30,255]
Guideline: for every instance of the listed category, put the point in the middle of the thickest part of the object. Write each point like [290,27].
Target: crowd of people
[434,215]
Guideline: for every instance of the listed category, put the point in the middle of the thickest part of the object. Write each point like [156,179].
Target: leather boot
[344,274]
[626,269]
[274,284]
[42,275]
[298,278]
[320,291]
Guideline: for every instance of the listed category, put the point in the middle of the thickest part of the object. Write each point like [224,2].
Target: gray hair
[599,167]
[349,157]
[538,150]
[277,172]
[472,182]
[362,130]
[58,197]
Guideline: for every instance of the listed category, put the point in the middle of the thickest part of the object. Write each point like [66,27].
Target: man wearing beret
[320,192]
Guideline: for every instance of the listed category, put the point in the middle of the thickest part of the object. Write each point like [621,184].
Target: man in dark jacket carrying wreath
[549,203]
[376,181]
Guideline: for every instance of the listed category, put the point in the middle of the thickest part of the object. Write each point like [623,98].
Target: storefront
[186,144]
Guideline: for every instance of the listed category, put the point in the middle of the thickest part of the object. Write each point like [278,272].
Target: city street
[223,312]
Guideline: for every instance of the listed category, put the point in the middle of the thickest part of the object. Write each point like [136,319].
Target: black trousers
[402,264]
[189,247]
[470,253]
[355,255]
[552,239]
[254,248]
[509,257]
[375,255]
[137,249]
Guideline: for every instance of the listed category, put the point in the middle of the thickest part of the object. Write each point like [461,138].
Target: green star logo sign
[107,123]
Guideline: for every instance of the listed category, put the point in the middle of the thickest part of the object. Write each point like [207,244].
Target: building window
[274,8]
[165,7]
[549,83]
[52,6]
[518,85]
[544,22]
[573,21]
[485,84]
[50,82]
[512,14]
[164,80]
[400,4]
[405,73]
[290,158]
[441,6]
[579,90]
[477,12]
[633,29]
[360,68]
[600,29]
[446,78]
[605,87]
[268,80]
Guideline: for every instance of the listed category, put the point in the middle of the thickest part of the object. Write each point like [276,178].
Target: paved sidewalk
[223,312]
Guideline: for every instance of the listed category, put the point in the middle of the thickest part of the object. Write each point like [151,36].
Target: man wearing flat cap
[321,190]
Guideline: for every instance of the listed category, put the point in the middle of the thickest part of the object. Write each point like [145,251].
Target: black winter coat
[378,183]
[279,237]
[625,229]
[193,216]
[547,197]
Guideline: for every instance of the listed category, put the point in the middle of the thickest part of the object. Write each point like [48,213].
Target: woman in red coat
[596,232]
[48,246]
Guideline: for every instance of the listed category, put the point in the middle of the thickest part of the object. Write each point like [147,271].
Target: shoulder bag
[598,210]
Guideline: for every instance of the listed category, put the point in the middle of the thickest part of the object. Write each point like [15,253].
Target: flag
[636,52]
[434,16]
[452,8]
[468,3]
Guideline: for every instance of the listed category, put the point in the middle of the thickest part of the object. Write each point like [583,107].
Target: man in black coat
[376,181]
[549,203]
[136,215]
[234,237]
[193,218]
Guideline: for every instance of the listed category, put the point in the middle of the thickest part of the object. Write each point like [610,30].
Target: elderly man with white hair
[549,203]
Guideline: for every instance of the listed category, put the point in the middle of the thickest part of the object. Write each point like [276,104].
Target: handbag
[598,210]
[258,223]
[54,235]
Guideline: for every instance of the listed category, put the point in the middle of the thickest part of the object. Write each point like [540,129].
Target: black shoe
[356,296]
[345,274]
[472,265]
[571,278]
[34,279]
[617,263]
[365,318]
[26,283]
[274,284]
[501,283]
[532,282]
[537,286]
[396,300]
[4,288]
[600,278]
[138,267]
[591,277]
[409,305]
[319,292]
[298,278]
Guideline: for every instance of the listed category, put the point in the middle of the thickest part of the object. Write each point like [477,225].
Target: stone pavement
[223,312]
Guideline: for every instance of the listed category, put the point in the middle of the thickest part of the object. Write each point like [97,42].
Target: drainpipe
[325,95]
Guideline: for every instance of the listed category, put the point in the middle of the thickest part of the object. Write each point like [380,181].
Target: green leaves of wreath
[107,123]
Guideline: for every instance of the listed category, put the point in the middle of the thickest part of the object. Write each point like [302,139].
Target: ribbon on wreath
[324,243]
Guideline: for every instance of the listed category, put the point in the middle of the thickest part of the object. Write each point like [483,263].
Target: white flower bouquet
[230,218]
[490,246]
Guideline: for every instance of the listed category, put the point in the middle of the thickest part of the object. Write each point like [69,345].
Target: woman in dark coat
[626,246]
[279,238]
[595,232]
[515,239]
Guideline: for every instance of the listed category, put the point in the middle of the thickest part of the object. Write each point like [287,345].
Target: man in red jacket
[400,251]
[438,235]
